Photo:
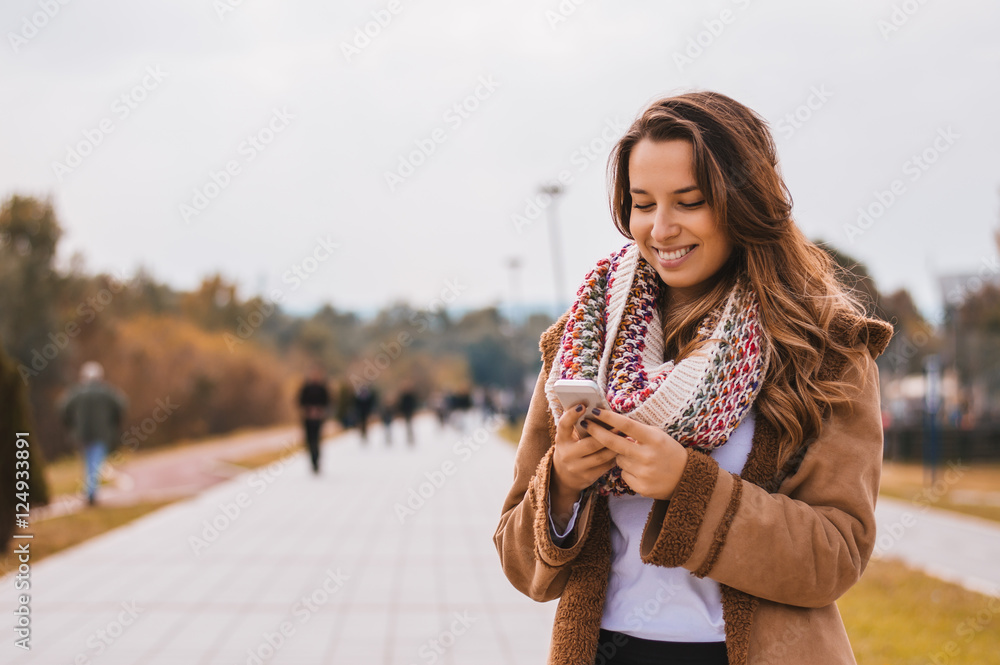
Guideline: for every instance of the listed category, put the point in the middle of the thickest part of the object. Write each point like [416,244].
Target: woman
[732,500]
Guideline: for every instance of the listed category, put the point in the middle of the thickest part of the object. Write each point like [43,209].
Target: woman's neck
[679,298]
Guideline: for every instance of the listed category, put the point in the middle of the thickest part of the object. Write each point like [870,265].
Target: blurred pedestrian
[346,406]
[387,412]
[314,402]
[439,404]
[365,400]
[408,407]
[93,411]
[460,407]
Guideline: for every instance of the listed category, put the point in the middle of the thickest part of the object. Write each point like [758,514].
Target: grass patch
[65,475]
[955,488]
[900,616]
[263,459]
[59,533]
[510,432]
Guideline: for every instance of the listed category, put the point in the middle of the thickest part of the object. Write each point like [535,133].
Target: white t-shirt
[653,602]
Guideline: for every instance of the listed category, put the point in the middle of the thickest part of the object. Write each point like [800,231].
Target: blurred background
[210,197]
[170,169]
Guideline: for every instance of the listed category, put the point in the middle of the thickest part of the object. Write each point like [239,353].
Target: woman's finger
[602,455]
[567,422]
[640,432]
[619,444]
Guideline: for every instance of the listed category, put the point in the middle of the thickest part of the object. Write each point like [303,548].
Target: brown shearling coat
[783,544]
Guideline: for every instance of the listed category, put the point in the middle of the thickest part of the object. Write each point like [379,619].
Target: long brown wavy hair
[800,289]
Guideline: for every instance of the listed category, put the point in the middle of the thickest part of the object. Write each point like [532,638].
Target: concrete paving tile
[403,579]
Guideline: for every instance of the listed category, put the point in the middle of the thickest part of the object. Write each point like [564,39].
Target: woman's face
[676,231]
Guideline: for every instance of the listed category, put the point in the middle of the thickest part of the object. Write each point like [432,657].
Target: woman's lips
[674,258]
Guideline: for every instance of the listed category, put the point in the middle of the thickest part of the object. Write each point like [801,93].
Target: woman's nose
[664,226]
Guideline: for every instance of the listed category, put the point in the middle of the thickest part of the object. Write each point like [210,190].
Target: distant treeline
[222,361]
[215,360]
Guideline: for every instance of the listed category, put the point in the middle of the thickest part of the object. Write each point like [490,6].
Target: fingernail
[583,424]
[596,412]
[579,408]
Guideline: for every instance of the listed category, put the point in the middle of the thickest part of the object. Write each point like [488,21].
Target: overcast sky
[248,137]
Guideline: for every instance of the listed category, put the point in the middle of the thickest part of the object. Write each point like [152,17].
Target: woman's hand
[651,461]
[576,464]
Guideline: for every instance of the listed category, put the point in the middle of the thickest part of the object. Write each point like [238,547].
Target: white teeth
[672,256]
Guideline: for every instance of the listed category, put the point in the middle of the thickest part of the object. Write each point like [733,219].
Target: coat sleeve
[533,563]
[805,544]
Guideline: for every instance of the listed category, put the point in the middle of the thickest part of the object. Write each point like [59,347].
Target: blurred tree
[914,337]
[213,306]
[976,342]
[29,234]
[15,417]
[29,290]
[855,275]
[493,362]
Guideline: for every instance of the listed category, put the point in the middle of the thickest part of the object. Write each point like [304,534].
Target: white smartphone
[578,391]
[571,392]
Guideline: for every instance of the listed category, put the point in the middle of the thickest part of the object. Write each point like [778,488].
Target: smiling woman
[736,473]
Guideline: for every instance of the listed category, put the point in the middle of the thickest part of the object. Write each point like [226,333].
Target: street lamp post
[513,263]
[554,191]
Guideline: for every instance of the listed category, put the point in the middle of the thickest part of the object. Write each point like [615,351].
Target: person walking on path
[387,412]
[722,495]
[407,409]
[314,403]
[93,411]
[347,410]
[366,400]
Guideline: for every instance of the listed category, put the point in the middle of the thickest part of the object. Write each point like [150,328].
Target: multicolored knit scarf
[698,401]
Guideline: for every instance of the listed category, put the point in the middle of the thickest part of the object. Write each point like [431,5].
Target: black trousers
[312,440]
[615,648]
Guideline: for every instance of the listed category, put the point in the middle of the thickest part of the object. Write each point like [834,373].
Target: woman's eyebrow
[683,190]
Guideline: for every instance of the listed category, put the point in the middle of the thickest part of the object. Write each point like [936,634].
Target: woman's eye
[642,207]
[693,205]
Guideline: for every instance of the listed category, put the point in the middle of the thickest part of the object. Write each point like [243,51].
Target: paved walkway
[386,557]
[957,548]
[279,566]
[176,472]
